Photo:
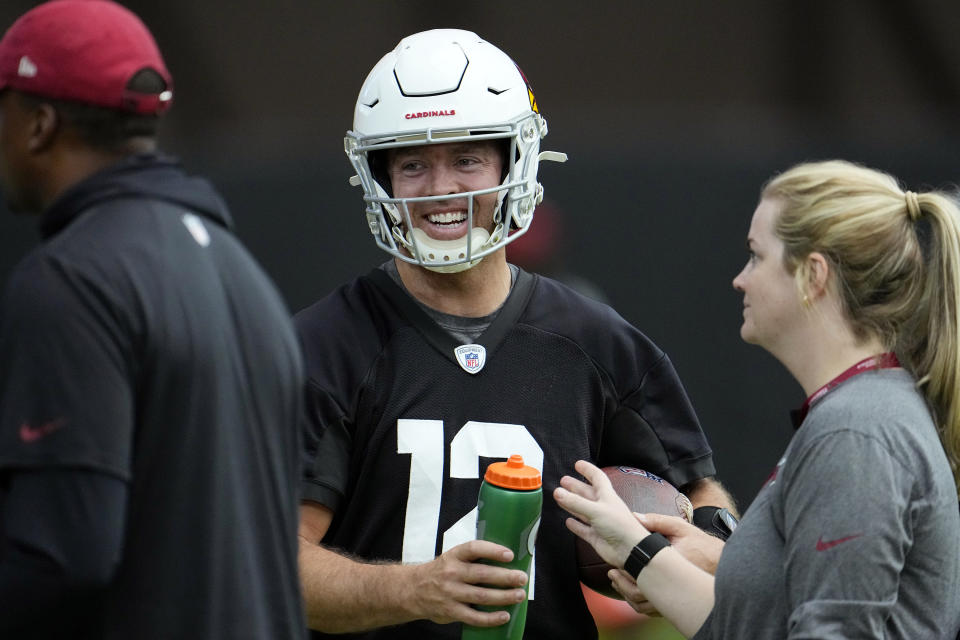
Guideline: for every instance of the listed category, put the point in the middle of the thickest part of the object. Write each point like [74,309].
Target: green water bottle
[508,513]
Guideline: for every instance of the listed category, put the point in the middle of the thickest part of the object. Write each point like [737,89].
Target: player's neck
[473,293]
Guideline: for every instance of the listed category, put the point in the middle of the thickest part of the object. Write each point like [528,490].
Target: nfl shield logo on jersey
[471,357]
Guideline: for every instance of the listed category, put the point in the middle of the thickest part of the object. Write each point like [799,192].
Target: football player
[446,358]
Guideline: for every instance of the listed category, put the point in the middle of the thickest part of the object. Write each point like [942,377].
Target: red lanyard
[873,363]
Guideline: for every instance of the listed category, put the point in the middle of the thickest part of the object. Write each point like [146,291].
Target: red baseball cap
[86,51]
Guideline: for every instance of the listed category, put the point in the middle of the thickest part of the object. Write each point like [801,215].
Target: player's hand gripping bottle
[508,513]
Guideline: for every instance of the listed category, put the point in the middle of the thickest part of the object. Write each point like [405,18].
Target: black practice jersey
[400,433]
[145,352]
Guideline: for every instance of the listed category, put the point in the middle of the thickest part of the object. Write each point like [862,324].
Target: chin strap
[418,242]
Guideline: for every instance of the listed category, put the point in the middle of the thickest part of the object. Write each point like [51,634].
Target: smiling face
[771,300]
[447,169]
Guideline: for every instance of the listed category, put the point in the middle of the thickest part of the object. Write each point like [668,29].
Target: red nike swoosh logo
[829,544]
[31,434]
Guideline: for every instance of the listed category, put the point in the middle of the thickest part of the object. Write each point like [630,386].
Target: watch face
[725,521]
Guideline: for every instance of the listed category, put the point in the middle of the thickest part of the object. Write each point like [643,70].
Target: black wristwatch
[716,521]
[643,552]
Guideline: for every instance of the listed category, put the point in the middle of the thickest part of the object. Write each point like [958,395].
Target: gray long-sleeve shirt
[857,532]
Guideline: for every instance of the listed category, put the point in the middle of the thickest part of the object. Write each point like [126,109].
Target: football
[644,493]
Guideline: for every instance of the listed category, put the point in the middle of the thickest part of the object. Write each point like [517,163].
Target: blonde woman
[853,285]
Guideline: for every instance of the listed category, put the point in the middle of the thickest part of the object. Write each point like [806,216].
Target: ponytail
[932,349]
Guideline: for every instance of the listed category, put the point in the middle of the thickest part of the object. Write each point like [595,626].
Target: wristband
[641,554]
[716,521]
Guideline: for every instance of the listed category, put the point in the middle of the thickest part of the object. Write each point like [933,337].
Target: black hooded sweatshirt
[150,391]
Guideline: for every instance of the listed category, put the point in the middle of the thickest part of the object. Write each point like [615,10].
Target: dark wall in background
[673,115]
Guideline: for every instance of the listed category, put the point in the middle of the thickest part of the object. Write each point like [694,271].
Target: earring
[806,301]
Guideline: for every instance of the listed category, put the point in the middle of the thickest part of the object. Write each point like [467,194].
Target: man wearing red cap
[151,379]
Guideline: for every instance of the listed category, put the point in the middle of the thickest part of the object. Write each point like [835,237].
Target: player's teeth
[443,218]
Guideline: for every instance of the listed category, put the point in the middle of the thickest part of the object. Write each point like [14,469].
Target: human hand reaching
[602,519]
[697,546]
[693,543]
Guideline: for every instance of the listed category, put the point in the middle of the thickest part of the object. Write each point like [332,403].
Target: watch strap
[716,521]
[643,552]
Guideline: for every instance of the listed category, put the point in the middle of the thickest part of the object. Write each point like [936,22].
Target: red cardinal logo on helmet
[533,99]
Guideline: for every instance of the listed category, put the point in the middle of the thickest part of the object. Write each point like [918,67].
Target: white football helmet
[438,87]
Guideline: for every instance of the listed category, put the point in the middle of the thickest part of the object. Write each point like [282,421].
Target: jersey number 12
[424,441]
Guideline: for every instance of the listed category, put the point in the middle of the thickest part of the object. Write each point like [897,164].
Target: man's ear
[44,123]
[817,272]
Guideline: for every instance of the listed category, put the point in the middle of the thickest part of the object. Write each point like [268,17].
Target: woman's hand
[697,546]
[603,520]
[682,592]
[693,543]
